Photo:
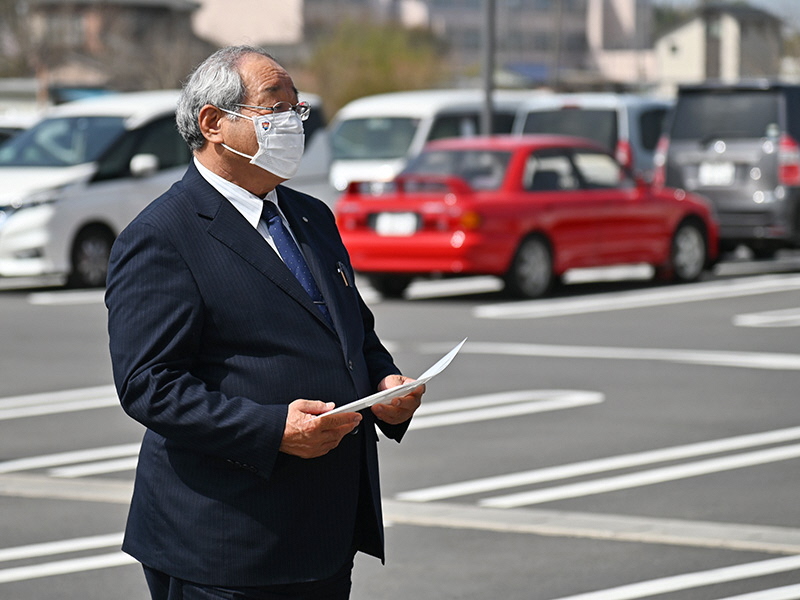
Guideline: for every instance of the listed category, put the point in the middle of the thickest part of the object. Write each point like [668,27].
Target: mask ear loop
[242,154]
[237,152]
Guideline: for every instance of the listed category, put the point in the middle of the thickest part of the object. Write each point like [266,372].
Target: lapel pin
[305,219]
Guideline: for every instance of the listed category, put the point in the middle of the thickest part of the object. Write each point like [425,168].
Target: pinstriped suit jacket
[211,337]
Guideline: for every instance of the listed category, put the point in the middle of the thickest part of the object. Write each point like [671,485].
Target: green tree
[359,59]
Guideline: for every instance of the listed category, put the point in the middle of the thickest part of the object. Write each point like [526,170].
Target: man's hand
[399,410]
[307,437]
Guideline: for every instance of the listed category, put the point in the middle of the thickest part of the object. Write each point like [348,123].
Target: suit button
[350,364]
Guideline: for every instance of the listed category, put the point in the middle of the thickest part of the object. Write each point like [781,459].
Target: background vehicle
[312,175]
[14,123]
[739,145]
[627,125]
[74,180]
[524,208]
[373,138]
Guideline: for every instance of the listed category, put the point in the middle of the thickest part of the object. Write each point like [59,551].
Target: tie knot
[269,211]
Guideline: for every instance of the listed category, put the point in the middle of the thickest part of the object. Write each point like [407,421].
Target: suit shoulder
[173,204]
[305,202]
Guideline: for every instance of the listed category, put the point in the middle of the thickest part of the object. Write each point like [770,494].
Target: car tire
[389,286]
[688,252]
[90,253]
[531,272]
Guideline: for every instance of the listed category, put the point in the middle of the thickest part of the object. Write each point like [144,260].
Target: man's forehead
[264,77]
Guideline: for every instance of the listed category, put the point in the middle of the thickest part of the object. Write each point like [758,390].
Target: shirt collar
[248,204]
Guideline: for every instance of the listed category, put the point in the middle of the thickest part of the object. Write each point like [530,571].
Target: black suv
[738,145]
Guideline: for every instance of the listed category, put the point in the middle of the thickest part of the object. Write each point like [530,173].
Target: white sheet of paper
[401,390]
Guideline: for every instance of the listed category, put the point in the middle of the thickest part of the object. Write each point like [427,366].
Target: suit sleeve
[155,320]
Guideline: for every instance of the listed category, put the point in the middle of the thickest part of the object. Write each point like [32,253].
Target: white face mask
[280,142]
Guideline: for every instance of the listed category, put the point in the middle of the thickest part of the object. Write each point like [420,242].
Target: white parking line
[60,547]
[788,592]
[746,360]
[559,307]
[68,458]
[498,406]
[653,476]
[67,297]
[62,567]
[689,581]
[789,317]
[600,465]
[96,468]
[49,403]
[618,528]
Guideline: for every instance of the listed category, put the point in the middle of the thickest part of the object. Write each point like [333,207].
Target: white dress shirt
[249,205]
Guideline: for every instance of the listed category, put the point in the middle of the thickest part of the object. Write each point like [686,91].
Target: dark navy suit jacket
[211,338]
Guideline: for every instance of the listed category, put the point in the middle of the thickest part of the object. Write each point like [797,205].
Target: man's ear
[210,121]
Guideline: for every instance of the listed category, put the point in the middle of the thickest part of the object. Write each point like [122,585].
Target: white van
[76,178]
[373,137]
[629,125]
[73,180]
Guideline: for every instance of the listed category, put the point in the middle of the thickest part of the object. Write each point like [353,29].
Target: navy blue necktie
[291,255]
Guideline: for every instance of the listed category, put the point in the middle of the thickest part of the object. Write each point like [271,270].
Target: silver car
[739,145]
[628,125]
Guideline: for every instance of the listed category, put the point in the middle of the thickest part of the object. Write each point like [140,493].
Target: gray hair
[215,81]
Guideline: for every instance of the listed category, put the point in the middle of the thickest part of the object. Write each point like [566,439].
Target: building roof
[743,12]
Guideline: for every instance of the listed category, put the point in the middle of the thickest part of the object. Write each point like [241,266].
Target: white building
[722,42]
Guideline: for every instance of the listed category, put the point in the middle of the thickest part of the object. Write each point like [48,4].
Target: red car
[524,208]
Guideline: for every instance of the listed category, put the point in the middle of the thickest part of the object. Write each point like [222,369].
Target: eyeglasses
[301,108]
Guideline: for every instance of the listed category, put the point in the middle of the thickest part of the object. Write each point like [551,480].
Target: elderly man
[234,322]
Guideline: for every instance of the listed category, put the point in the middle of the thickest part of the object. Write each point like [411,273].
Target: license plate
[396,224]
[716,174]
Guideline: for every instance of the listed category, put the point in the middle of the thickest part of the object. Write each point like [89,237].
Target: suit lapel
[229,227]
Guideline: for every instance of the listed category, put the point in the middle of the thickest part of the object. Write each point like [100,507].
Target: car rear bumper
[775,220]
[423,253]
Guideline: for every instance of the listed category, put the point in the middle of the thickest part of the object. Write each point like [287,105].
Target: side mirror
[144,165]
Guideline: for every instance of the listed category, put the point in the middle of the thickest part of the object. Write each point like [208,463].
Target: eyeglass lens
[301,108]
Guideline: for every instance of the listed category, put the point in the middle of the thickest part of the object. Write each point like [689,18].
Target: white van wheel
[90,254]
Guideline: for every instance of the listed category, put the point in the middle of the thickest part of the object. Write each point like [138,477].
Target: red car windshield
[481,169]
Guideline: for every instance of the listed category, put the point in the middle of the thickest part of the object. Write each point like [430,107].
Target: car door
[114,196]
[630,228]
[561,209]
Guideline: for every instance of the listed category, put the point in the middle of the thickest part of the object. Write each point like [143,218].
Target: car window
[160,138]
[599,170]
[740,114]
[482,169]
[467,125]
[549,171]
[62,142]
[373,138]
[596,124]
[503,122]
[450,126]
[651,122]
